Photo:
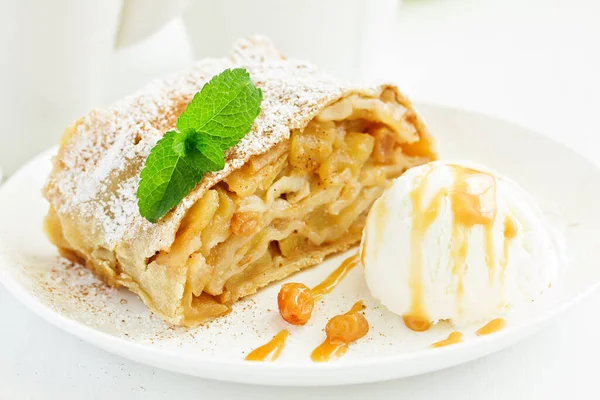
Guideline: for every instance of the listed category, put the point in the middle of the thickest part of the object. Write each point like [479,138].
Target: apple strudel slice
[295,189]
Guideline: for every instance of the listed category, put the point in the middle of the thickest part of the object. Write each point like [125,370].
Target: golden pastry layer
[295,189]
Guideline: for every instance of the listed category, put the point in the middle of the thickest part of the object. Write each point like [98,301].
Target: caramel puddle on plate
[328,350]
[271,350]
[453,338]
[472,197]
[493,326]
[334,278]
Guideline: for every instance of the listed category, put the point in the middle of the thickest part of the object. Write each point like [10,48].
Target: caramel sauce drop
[334,278]
[295,303]
[510,228]
[510,232]
[334,349]
[416,324]
[493,326]
[271,350]
[453,338]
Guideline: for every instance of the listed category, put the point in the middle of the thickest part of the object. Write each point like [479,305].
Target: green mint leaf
[226,107]
[182,143]
[217,118]
[206,146]
[166,179]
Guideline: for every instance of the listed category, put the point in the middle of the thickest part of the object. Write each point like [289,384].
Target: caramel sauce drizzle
[381,214]
[363,250]
[328,350]
[510,232]
[453,338]
[423,217]
[334,278]
[356,307]
[271,350]
[472,198]
[493,326]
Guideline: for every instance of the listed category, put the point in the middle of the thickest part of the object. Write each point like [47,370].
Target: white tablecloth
[535,62]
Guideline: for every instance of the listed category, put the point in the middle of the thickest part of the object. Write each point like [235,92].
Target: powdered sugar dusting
[72,290]
[96,172]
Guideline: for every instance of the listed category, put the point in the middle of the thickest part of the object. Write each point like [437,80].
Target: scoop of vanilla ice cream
[456,241]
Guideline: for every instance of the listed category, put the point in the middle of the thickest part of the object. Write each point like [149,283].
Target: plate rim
[247,372]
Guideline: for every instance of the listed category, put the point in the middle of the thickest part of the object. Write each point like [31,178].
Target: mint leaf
[183,142]
[211,150]
[225,107]
[166,179]
[217,118]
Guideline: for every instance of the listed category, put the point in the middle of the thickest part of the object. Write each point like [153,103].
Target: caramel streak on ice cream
[473,201]
[417,318]
[510,232]
[363,250]
[381,216]
[455,246]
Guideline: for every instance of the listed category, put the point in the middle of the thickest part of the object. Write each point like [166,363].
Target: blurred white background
[70,55]
[536,62]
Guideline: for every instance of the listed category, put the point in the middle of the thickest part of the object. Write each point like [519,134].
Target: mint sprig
[218,117]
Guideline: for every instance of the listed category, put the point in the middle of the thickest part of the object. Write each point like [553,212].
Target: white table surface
[535,62]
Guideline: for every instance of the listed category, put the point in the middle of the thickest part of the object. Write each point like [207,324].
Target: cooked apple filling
[286,209]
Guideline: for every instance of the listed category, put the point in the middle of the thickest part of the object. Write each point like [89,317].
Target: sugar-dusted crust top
[96,171]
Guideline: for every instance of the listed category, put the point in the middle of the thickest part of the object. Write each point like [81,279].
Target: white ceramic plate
[566,186]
